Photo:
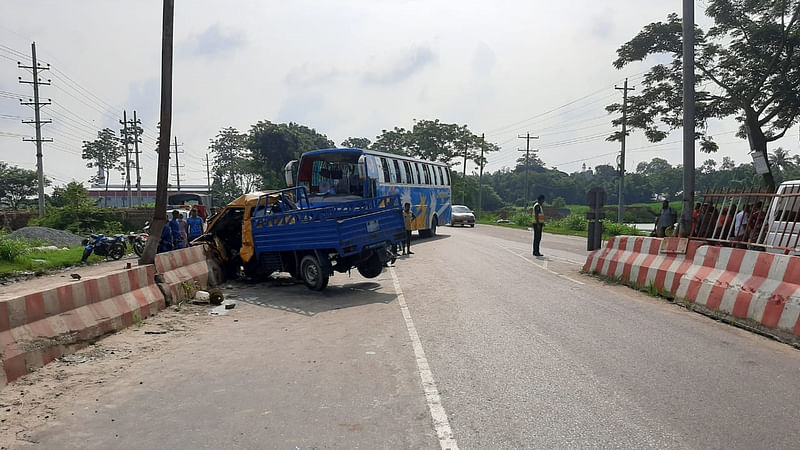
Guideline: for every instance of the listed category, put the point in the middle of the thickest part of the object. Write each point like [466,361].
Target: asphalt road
[514,351]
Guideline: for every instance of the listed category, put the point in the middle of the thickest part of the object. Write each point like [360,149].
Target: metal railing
[754,219]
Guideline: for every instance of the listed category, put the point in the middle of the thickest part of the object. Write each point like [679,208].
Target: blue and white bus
[346,174]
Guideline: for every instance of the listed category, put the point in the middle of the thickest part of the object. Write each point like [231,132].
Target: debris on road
[223,309]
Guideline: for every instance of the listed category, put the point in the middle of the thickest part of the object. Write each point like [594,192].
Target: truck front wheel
[313,275]
[371,268]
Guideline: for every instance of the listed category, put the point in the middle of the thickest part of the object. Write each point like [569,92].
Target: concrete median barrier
[189,265]
[38,328]
[749,288]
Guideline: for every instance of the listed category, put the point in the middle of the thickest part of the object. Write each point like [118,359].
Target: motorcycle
[108,247]
[138,241]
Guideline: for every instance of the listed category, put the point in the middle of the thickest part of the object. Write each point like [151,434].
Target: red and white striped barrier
[36,329]
[736,285]
[188,265]
[641,261]
[761,289]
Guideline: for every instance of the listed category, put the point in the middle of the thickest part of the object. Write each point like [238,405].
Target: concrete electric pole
[621,206]
[126,142]
[208,180]
[136,139]
[177,164]
[527,138]
[480,176]
[38,122]
[688,117]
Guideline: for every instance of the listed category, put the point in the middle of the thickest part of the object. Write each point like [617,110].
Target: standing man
[175,227]
[195,224]
[538,224]
[408,218]
[666,219]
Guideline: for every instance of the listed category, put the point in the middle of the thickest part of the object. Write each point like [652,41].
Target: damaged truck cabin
[281,231]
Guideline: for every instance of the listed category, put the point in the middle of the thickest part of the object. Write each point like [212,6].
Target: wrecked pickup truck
[279,231]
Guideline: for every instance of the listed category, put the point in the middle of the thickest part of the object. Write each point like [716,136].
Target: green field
[16,258]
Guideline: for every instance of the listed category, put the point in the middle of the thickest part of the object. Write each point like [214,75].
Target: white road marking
[440,423]
[543,266]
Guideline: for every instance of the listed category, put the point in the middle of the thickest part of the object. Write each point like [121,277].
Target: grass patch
[572,225]
[39,262]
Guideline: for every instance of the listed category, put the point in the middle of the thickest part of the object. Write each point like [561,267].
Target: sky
[349,68]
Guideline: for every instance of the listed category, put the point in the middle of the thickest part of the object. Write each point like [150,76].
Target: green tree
[73,195]
[435,141]
[356,142]
[781,159]
[236,168]
[17,184]
[750,56]
[276,144]
[104,153]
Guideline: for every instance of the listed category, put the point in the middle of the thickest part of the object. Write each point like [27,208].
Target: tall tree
[276,144]
[435,141]
[781,159]
[17,184]
[236,169]
[104,153]
[356,142]
[751,57]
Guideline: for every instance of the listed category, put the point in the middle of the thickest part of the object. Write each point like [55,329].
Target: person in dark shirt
[195,225]
[175,227]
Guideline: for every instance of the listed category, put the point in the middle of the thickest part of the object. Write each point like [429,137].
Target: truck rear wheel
[371,268]
[313,275]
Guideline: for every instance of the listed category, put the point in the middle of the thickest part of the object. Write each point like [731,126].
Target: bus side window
[447,176]
[441,175]
[385,166]
[399,176]
[408,175]
[427,173]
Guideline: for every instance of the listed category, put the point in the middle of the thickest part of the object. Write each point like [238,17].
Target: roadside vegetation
[573,225]
[20,256]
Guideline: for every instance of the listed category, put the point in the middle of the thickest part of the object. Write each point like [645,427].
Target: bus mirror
[289,173]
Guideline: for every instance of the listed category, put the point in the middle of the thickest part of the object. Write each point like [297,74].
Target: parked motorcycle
[138,241]
[100,245]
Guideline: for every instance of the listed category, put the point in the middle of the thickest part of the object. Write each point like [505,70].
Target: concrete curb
[194,264]
[759,291]
[38,328]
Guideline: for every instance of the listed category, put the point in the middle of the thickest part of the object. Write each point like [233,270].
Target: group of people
[709,222]
[178,233]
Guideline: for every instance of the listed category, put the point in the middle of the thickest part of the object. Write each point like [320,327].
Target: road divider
[38,328]
[180,271]
[753,289]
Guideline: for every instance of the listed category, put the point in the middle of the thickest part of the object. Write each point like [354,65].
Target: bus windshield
[331,175]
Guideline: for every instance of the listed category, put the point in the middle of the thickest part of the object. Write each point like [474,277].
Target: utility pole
[177,164]
[208,180]
[35,67]
[464,177]
[688,117]
[621,206]
[124,132]
[480,176]
[136,139]
[162,179]
[527,138]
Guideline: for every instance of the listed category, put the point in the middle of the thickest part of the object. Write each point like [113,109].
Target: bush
[11,249]
[559,202]
[522,219]
[618,229]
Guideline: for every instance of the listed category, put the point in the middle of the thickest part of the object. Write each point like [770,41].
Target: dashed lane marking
[440,423]
[543,266]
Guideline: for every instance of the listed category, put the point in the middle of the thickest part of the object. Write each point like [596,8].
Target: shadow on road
[295,297]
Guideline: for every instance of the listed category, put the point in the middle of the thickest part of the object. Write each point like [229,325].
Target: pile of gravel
[52,236]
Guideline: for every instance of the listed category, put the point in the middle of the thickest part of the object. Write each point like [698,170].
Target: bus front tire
[313,275]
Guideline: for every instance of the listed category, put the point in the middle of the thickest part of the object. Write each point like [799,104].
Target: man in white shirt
[740,223]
